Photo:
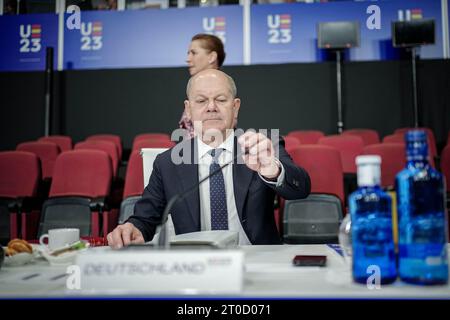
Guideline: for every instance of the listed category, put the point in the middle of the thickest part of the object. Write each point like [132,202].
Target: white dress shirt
[204,162]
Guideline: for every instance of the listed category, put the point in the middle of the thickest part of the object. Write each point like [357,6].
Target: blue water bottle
[422,219]
[372,237]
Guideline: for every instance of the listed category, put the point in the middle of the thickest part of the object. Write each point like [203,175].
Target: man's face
[211,103]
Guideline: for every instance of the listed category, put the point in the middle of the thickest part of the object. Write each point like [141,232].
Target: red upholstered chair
[109,137]
[349,147]
[368,136]
[394,138]
[64,142]
[307,136]
[103,145]
[154,143]
[47,153]
[400,138]
[324,167]
[393,160]
[151,136]
[291,143]
[316,219]
[20,173]
[81,182]
[430,137]
[134,185]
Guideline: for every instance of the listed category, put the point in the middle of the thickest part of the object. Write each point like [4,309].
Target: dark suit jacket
[254,198]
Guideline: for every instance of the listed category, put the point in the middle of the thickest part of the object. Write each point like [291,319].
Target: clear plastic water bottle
[422,219]
[371,228]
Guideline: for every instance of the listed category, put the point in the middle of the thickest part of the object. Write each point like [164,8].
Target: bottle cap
[416,145]
[415,135]
[369,172]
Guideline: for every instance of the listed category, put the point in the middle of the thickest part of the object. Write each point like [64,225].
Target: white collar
[228,145]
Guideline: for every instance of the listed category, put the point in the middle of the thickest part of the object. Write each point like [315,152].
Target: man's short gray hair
[231,84]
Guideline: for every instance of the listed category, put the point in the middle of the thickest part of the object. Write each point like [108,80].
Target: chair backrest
[103,145]
[84,173]
[47,153]
[349,147]
[445,165]
[368,136]
[64,142]
[20,173]
[315,219]
[393,160]
[291,143]
[151,136]
[324,166]
[430,135]
[66,212]
[154,143]
[394,138]
[400,138]
[134,185]
[307,136]
[109,137]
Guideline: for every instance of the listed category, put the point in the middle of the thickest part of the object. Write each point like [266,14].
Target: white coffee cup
[59,238]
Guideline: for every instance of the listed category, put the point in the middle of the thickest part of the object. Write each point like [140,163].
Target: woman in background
[206,51]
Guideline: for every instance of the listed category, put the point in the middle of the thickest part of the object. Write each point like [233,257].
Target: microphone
[163,241]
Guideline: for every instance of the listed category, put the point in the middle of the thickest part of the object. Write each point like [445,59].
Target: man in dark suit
[238,198]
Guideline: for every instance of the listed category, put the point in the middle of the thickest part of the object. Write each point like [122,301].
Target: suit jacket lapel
[242,176]
[188,175]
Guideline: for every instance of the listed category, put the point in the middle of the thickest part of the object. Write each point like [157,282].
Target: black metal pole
[414,84]
[340,123]
[48,90]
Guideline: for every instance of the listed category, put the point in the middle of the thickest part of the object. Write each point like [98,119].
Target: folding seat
[349,147]
[291,143]
[109,137]
[316,219]
[47,153]
[307,136]
[20,173]
[430,137]
[393,160]
[368,136]
[64,142]
[103,145]
[400,138]
[394,138]
[134,185]
[81,182]
[154,143]
[324,166]
[151,136]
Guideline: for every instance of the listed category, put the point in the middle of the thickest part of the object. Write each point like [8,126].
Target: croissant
[19,245]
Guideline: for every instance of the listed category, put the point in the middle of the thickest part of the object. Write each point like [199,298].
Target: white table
[269,273]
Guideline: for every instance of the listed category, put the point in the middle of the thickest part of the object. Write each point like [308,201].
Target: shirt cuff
[280,178]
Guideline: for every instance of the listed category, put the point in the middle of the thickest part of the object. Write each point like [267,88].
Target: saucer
[18,259]
[65,258]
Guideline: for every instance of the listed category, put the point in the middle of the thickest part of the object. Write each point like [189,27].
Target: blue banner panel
[288,32]
[149,38]
[23,41]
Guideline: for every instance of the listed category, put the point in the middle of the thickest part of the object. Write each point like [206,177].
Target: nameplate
[161,271]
